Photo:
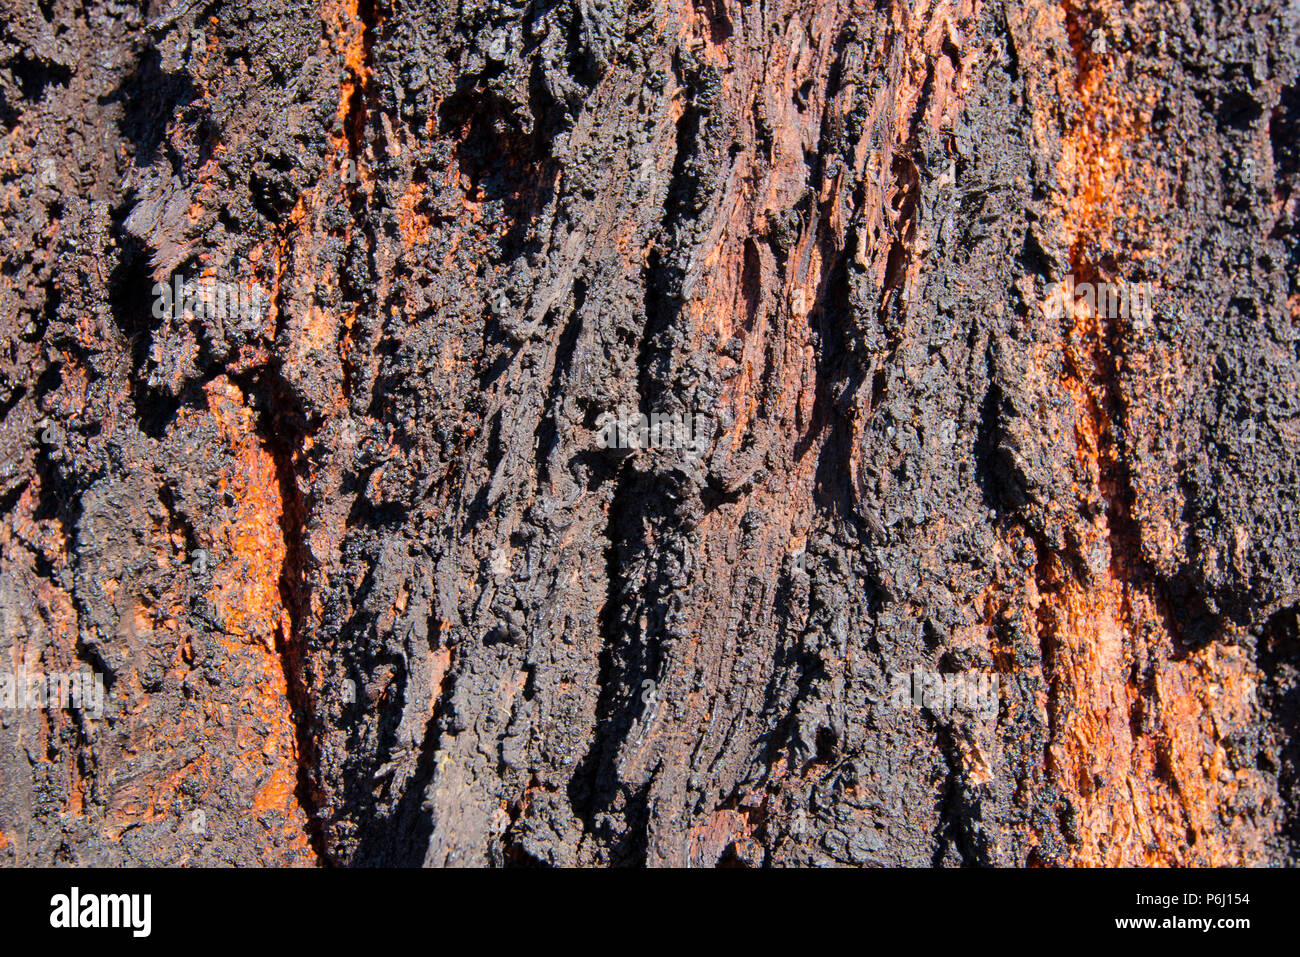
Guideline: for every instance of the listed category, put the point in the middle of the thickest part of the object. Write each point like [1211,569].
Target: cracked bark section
[437,624]
[1139,711]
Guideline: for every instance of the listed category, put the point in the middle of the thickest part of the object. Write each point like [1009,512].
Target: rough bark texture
[366,590]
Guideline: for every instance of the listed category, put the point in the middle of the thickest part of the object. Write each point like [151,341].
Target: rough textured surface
[366,589]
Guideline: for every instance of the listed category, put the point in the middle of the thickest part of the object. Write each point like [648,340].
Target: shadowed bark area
[366,582]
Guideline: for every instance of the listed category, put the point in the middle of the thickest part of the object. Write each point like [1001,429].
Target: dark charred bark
[365,588]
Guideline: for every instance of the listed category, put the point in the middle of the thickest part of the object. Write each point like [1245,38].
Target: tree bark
[366,584]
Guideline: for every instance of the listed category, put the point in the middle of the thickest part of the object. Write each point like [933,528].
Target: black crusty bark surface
[363,585]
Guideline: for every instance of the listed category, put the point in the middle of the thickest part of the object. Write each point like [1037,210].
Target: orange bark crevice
[1135,718]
